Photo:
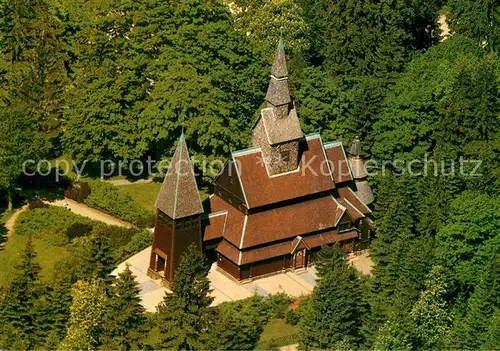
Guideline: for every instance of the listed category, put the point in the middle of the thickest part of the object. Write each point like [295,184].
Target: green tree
[474,330]
[184,316]
[446,97]
[478,20]
[20,311]
[429,315]
[55,310]
[462,246]
[87,311]
[333,313]
[124,317]
[262,21]
[238,325]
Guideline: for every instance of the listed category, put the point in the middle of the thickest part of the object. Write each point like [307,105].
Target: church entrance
[299,259]
[160,265]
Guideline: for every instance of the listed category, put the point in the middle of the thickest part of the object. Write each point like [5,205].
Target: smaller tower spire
[178,196]
[359,173]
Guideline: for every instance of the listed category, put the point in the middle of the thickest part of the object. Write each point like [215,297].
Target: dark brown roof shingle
[178,196]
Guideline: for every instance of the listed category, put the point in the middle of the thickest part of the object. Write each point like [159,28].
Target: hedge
[108,198]
[54,225]
[58,226]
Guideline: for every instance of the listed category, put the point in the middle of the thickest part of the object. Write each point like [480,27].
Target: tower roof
[279,68]
[278,93]
[178,196]
[355,147]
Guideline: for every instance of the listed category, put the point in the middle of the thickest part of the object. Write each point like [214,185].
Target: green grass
[275,330]
[47,256]
[146,194]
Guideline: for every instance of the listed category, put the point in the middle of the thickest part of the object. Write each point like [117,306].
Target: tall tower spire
[278,95]
[359,173]
[277,131]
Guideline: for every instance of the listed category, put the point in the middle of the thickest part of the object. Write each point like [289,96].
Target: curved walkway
[12,220]
[84,210]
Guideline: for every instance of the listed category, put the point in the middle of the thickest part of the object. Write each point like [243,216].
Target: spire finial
[281,44]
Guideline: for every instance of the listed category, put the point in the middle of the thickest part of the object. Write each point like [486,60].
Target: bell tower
[178,216]
[277,131]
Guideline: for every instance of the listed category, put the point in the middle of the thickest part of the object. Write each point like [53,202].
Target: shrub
[276,305]
[37,203]
[78,192]
[137,243]
[292,317]
[118,236]
[54,225]
[108,198]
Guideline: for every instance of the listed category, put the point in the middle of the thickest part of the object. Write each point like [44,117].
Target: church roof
[245,231]
[338,162]
[279,130]
[263,253]
[178,196]
[312,176]
[279,68]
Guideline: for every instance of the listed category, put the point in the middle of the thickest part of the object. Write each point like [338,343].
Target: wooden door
[300,259]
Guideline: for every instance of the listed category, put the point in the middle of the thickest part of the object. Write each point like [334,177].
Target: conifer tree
[55,311]
[332,315]
[19,312]
[124,315]
[184,317]
[238,325]
[474,330]
[87,309]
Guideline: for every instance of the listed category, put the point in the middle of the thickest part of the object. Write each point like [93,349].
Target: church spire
[364,191]
[278,94]
[178,196]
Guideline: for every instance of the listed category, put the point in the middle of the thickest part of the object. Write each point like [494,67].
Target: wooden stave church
[274,204]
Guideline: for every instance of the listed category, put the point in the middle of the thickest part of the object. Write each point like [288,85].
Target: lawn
[146,194]
[277,333]
[47,256]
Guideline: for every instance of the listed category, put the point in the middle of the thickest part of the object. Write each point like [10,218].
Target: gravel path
[84,210]
[12,220]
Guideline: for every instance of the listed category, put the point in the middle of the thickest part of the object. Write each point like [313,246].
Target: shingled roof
[279,68]
[178,196]
[277,92]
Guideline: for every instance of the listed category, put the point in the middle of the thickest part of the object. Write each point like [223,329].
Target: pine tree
[474,330]
[332,314]
[238,325]
[20,310]
[55,311]
[124,317]
[478,20]
[184,317]
[94,258]
[87,310]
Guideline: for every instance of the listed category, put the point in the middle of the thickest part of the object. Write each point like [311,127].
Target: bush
[108,198]
[78,192]
[54,225]
[276,305]
[37,203]
[137,243]
[118,236]
[292,317]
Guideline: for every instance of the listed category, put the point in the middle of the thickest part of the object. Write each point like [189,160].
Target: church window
[285,156]
[345,226]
